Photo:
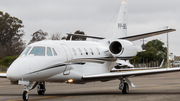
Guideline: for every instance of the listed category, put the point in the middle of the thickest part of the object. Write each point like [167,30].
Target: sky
[97,17]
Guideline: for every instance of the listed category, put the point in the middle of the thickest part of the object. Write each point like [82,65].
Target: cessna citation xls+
[80,62]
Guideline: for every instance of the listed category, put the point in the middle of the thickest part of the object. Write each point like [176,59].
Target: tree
[10,35]
[63,38]
[9,27]
[154,51]
[156,46]
[56,36]
[77,37]
[38,36]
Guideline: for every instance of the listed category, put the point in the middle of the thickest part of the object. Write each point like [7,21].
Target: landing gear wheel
[25,96]
[125,89]
[41,89]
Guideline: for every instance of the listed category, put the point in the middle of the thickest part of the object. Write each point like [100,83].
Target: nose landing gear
[40,89]
[25,96]
[27,88]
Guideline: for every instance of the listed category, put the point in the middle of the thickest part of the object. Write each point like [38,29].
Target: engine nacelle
[122,49]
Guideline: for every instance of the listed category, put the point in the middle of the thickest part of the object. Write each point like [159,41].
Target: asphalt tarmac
[161,87]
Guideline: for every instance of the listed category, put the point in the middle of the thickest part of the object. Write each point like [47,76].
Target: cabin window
[86,51]
[49,52]
[74,51]
[55,54]
[38,51]
[80,51]
[25,51]
[98,51]
[91,51]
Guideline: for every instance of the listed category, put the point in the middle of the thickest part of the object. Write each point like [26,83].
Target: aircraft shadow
[96,93]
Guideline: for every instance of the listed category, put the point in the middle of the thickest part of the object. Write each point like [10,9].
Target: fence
[150,64]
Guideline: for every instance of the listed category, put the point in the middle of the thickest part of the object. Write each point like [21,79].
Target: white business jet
[80,62]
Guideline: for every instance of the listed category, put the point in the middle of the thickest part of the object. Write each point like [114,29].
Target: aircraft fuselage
[66,60]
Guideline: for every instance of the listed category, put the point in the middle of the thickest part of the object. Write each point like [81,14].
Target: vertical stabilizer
[121,25]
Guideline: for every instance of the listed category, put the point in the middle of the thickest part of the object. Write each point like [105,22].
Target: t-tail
[121,25]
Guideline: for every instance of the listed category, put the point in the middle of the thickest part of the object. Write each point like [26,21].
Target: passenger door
[69,59]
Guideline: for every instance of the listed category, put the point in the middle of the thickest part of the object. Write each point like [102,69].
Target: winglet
[161,63]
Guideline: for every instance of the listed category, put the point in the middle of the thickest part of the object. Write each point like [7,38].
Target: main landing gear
[40,89]
[124,85]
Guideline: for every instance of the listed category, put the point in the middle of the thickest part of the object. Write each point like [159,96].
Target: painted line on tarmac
[158,87]
[34,98]
[46,97]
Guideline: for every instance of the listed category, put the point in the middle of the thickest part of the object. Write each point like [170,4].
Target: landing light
[123,1]
[70,80]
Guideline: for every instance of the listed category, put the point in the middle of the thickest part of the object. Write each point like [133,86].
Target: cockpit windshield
[25,51]
[49,52]
[38,51]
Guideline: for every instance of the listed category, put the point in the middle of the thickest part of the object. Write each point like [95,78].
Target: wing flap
[3,75]
[145,35]
[115,75]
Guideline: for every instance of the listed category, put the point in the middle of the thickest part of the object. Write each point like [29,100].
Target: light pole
[167,49]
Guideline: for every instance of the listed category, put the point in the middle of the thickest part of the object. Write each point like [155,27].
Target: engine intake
[115,47]
[122,49]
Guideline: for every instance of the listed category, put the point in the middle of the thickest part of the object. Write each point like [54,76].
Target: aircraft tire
[25,96]
[125,89]
[41,89]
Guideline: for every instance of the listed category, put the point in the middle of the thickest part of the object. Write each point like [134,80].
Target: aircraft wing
[116,75]
[3,75]
[145,35]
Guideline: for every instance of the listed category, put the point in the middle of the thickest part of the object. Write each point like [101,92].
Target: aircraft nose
[13,73]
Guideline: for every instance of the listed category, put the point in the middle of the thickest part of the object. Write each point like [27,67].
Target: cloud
[93,16]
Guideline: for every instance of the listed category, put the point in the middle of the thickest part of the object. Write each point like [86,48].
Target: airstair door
[68,52]
[69,58]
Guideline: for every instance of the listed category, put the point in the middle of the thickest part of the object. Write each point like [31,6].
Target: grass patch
[3,68]
[7,60]
[2,71]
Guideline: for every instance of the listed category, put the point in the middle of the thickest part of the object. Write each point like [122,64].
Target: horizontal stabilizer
[145,35]
[131,69]
[124,63]
[86,36]
[3,75]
